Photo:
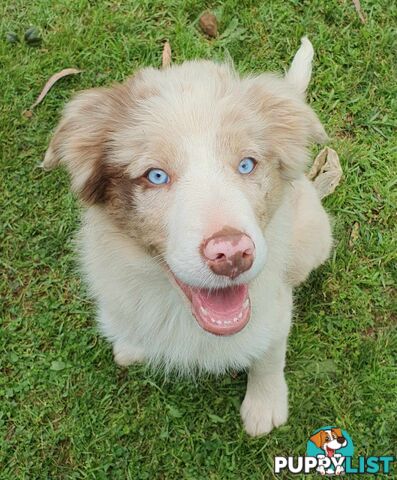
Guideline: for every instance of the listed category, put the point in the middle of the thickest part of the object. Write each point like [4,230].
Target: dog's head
[329,440]
[191,163]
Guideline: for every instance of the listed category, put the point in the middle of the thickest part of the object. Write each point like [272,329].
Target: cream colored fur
[197,120]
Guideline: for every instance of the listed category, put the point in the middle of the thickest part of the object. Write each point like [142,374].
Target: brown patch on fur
[289,126]
[107,184]
[82,141]
[121,201]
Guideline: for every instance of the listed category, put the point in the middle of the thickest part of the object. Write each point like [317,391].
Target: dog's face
[191,163]
[329,440]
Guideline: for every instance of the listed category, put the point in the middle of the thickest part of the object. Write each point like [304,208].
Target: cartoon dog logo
[330,441]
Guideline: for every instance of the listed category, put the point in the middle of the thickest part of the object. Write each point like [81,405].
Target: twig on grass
[49,84]
[359,10]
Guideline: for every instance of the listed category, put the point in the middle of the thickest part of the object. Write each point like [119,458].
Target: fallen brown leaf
[27,113]
[209,24]
[359,10]
[49,84]
[326,172]
[166,56]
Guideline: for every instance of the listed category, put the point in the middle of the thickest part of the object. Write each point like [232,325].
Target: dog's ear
[289,124]
[81,140]
[300,71]
[318,438]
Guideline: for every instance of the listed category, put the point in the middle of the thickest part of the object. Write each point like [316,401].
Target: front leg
[265,405]
[126,350]
[126,354]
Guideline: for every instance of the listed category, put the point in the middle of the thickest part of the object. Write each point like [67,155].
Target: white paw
[263,410]
[127,355]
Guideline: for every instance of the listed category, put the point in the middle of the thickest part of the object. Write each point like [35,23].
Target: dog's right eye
[157,176]
[246,165]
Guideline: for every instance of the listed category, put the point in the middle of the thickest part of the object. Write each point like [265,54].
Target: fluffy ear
[81,140]
[300,71]
[318,438]
[289,124]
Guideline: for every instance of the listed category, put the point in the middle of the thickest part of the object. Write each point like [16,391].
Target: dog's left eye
[246,165]
[157,176]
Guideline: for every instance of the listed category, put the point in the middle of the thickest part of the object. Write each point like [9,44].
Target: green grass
[66,411]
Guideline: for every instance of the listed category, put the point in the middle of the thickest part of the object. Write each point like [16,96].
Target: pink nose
[229,252]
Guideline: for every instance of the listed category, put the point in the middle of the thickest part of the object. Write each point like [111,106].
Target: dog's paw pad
[262,413]
[124,357]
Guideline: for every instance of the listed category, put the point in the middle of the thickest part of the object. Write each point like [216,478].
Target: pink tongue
[222,312]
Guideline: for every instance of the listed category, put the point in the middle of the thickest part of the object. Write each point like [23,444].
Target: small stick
[49,84]
[166,56]
[359,10]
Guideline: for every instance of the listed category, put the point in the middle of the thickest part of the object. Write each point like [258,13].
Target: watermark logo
[330,446]
[330,451]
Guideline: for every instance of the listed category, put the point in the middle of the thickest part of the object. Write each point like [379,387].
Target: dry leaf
[50,83]
[354,234]
[326,172]
[359,11]
[27,113]
[166,56]
[209,24]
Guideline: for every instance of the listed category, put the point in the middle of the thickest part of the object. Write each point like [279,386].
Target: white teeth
[204,310]
[218,322]
[246,303]
[240,316]
[235,320]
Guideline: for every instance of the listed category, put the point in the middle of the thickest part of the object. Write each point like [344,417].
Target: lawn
[66,410]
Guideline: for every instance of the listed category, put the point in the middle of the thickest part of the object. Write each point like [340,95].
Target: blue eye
[157,176]
[246,165]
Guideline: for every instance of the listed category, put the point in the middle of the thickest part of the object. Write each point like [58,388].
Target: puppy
[198,218]
[330,441]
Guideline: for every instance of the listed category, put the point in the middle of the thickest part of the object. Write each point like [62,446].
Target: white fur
[140,308]
[146,317]
[300,70]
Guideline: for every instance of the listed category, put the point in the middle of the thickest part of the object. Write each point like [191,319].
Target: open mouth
[225,311]
[330,451]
